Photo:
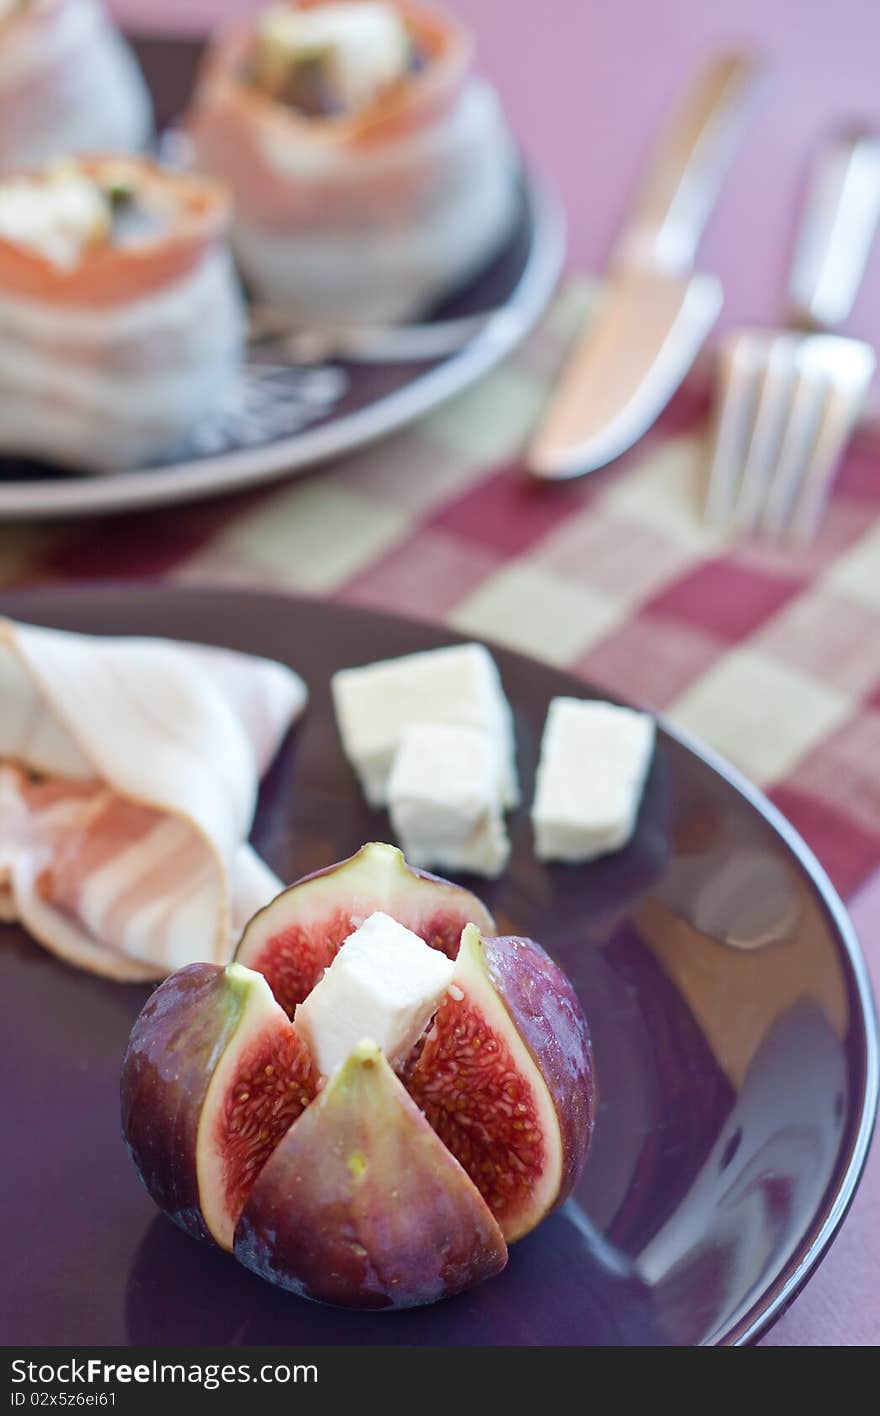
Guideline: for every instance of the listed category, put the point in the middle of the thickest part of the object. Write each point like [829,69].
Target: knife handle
[685,176]
[837,230]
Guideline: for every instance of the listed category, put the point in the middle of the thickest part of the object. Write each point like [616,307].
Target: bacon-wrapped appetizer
[121,318]
[68,83]
[371,171]
[129,771]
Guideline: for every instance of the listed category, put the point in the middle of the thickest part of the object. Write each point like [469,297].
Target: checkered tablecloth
[772,658]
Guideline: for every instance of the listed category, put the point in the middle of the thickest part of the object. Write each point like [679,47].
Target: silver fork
[787,401]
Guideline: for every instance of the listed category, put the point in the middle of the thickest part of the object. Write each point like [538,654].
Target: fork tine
[807,408]
[786,408]
[851,368]
[734,414]
[777,382]
[804,390]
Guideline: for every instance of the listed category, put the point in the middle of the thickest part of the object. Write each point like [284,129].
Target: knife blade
[655,313]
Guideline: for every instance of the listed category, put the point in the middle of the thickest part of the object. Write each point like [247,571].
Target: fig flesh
[361,1204]
[505,1078]
[364,1187]
[213,1076]
[297,935]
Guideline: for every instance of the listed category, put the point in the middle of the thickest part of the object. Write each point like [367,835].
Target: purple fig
[363,1188]
[505,1078]
[361,1204]
[294,938]
[213,1075]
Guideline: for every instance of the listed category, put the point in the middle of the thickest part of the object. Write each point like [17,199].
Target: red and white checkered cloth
[772,657]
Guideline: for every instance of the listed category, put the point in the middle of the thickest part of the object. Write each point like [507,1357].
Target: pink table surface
[586,83]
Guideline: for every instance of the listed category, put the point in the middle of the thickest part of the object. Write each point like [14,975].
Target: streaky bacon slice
[68,83]
[127,852]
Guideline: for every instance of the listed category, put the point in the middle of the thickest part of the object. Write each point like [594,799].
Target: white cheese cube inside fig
[385,984]
[594,762]
[444,799]
[375,705]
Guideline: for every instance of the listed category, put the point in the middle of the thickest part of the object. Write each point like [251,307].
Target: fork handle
[685,175]
[837,229]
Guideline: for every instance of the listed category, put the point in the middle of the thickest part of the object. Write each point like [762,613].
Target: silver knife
[655,312]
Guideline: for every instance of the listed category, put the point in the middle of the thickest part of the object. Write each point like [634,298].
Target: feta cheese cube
[376,704]
[385,984]
[594,762]
[444,800]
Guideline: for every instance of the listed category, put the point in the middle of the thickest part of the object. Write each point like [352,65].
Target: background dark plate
[734,1041]
[284,418]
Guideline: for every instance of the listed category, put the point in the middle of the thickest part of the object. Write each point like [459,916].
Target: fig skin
[166,1072]
[182,1059]
[548,1016]
[362,1205]
[511,1018]
[360,1198]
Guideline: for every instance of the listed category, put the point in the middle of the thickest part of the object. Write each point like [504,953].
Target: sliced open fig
[295,937]
[213,1076]
[505,1078]
[364,1187]
[361,1204]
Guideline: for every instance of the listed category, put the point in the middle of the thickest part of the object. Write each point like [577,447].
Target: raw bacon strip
[261,700]
[27,833]
[113,359]
[368,214]
[129,854]
[68,84]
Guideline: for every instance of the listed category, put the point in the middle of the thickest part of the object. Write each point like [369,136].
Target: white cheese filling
[363,48]
[60,216]
[594,762]
[445,802]
[384,985]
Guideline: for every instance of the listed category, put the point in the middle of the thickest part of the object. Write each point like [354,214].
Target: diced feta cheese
[594,762]
[59,216]
[384,984]
[364,47]
[444,799]
[375,705]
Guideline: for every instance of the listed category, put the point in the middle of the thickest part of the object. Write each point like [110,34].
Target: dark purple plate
[734,1039]
[282,418]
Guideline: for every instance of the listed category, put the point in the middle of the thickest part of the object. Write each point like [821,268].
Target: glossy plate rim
[755,1317]
[213,476]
